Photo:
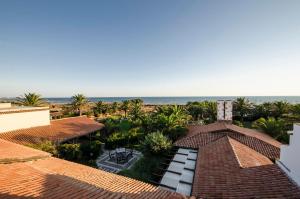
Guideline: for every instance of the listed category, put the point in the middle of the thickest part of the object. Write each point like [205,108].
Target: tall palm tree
[125,107]
[31,99]
[242,107]
[78,102]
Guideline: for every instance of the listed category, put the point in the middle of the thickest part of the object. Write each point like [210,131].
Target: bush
[90,150]
[46,146]
[155,143]
[176,132]
[69,151]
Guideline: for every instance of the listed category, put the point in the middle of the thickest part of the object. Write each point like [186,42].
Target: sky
[150,48]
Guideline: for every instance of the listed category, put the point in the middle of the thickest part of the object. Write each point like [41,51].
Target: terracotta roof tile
[200,135]
[246,156]
[55,178]
[219,175]
[58,131]
[11,152]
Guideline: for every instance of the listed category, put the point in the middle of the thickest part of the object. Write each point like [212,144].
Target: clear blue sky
[150,48]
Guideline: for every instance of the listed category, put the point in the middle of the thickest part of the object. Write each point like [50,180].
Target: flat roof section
[180,172]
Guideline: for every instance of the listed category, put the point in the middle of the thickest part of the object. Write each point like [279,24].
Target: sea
[181,100]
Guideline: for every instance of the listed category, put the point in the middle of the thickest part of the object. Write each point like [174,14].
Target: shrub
[69,151]
[90,150]
[155,143]
[176,132]
[46,146]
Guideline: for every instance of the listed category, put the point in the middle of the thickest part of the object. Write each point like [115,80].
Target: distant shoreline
[174,100]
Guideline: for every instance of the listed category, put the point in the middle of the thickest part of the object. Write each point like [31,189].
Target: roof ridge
[250,150]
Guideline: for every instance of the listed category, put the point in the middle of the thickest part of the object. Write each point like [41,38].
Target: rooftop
[234,162]
[48,177]
[58,131]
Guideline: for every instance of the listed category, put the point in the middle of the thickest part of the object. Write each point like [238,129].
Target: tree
[125,107]
[79,101]
[273,127]
[296,109]
[196,110]
[155,143]
[242,107]
[280,108]
[31,99]
[210,111]
[100,108]
[136,112]
[114,107]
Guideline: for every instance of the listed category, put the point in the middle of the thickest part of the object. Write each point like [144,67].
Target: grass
[142,170]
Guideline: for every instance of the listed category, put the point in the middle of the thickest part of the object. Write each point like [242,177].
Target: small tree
[125,107]
[155,143]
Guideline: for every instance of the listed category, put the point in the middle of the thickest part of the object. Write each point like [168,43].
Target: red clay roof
[48,177]
[58,131]
[234,162]
[219,174]
[200,135]
[11,152]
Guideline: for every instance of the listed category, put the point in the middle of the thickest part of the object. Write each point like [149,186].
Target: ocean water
[183,100]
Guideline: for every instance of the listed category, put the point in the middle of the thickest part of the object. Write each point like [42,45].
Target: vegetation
[79,101]
[31,99]
[125,107]
[156,143]
[144,168]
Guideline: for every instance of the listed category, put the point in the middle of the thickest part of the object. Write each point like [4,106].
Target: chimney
[289,160]
[224,110]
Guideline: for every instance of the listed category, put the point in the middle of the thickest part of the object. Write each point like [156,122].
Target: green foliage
[238,123]
[155,143]
[125,107]
[143,168]
[31,99]
[274,127]
[69,151]
[205,111]
[46,146]
[100,108]
[78,102]
[90,150]
[241,107]
[280,108]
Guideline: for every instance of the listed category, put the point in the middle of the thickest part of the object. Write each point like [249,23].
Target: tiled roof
[200,135]
[11,152]
[219,174]
[234,162]
[48,177]
[58,131]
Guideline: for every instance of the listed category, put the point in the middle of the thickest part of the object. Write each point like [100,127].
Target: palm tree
[280,108]
[125,106]
[136,111]
[78,102]
[242,107]
[31,99]
[114,107]
[275,128]
[100,108]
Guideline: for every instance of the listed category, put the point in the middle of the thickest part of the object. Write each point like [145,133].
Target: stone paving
[105,163]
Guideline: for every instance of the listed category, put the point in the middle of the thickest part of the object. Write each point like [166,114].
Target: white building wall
[21,120]
[289,156]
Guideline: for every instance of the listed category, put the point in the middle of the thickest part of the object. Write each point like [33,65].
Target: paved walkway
[105,163]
